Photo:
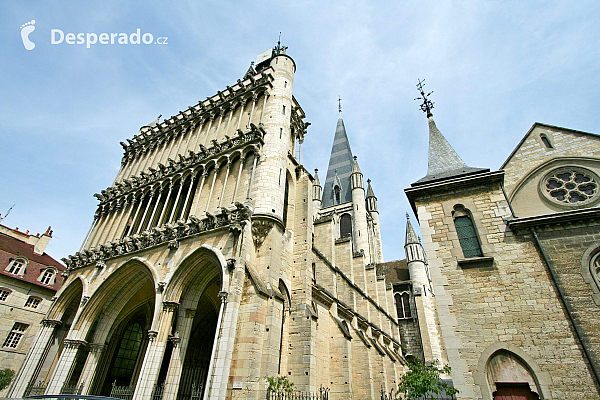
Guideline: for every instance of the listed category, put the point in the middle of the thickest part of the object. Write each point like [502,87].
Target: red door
[514,391]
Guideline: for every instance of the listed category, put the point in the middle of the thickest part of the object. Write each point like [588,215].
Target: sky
[495,68]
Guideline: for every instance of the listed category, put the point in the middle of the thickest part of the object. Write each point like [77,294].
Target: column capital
[74,343]
[51,323]
[152,335]
[170,306]
[223,296]
[96,347]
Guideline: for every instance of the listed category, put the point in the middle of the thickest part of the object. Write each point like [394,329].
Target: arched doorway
[195,287]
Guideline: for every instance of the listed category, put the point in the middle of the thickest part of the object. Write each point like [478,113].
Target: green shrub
[422,379]
[6,376]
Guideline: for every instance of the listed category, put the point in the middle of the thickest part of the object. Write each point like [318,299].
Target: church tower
[494,301]
[215,259]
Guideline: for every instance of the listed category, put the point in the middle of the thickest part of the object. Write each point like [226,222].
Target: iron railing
[322,394]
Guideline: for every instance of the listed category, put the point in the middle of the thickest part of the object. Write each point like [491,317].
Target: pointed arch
[540,378]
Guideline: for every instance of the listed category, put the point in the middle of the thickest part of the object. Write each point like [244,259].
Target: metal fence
[122,392]
[322,394]
[429,396]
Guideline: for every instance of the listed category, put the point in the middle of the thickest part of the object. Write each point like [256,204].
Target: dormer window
[17,266]
[47,277]
[337,194]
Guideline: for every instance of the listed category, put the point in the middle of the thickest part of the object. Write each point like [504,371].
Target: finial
[355,158]
[407,216]
[339,104]
[427,105]
[368,180]
[279,49]
[279,40]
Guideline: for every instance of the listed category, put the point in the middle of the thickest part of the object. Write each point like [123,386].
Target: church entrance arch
[195,287]
[114,325]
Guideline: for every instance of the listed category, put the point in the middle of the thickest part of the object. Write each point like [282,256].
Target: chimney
[42,242]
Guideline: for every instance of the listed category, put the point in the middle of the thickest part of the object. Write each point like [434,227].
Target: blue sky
[495,69]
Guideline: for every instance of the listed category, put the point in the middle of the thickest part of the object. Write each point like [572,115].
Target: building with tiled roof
[29,279]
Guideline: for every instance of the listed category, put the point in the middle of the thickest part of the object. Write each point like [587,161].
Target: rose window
[570,186]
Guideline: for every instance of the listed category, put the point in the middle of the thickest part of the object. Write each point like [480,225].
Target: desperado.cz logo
[57,36]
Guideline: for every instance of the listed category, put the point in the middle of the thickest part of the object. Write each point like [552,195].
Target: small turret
[316,198]
[371,199]
[412,244]
[357,176]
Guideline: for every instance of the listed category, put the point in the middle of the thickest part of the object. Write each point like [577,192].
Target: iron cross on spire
[339,104]
[427,105]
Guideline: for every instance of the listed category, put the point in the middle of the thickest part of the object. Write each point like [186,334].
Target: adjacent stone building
[29,279]
[513,260]
[216,260]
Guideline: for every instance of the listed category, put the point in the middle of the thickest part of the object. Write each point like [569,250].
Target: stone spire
[340,167]
[317,187]
[411,236]
[444,162]
[371,199]
[356,176]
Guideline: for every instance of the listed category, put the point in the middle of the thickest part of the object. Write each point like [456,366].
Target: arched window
[285,201]
[17,266]
[127,353]
[546,141]
[345,225]
[337,194]
[47,277]
[403,305]
[595,270]
[467,235]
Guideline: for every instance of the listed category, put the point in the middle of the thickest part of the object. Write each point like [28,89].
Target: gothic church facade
[216,259]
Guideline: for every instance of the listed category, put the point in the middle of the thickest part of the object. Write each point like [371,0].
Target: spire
[340,167]
[444,162]
[411,236]
[357,176]
[371,199]
[317,182]
[317,187]
[370,189]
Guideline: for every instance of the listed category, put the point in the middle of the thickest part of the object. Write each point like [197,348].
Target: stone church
[216,259]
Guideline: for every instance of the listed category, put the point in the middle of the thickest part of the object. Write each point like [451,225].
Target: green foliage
[279,385]
[6,376]
[422,379]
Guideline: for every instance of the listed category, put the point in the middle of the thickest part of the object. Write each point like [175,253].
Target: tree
[422,379]
[6,376]
[279,386]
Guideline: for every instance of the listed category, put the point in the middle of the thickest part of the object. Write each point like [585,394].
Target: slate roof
[394,271]
[444,162]
[341,161]
[11,248]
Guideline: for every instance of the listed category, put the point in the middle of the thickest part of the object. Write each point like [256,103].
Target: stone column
[91,366]
[65,365]
[87,236]
[243,104]
[225,182]
[164,209]
[212,185]
[154,353]
[159,192]
[187,197]
[221,113]
[262,112]
[212,118]
[300,141]
[184,328]
[252,173]
[139,201]
[229,119]
[198,137]
[237,181]
[35,357]
[172,214]
[218,375]
[254,98]
[151,195]
[199,191]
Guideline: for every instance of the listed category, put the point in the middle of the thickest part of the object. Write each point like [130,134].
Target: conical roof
[411,236]
[443,162]
[340,166]
[369,189]
[316,182]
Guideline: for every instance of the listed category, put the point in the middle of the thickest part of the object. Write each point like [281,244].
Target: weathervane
[427,105]
[279,49]
[339,104]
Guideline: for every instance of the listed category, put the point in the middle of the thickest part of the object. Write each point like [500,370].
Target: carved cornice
[190,118]
[74,343]
[235,216]
[254,135]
